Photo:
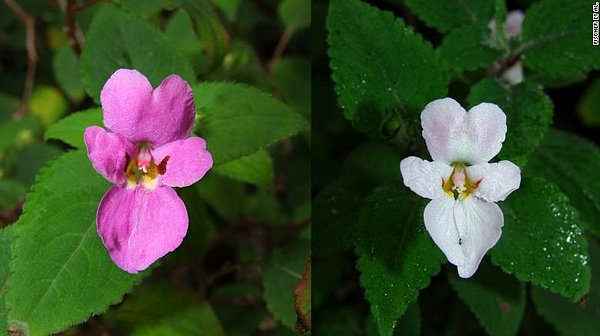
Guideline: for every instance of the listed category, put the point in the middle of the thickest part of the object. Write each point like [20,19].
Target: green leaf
[238,320]
[295,14]
[61,272]
[528,113]
[8,105]
[227,204]
[237,120]
[213,35]
[70,129]
[18,132]
[113,42]
[280,276]
[27,162]
[372,69]
[65,66]
[147,8]
[292,75]
[468,48]
[445,15]
[336,209]
[6,238]
[557,38]
[572,163]
[496,298]
[396,256]
[161,310]
[180,32]
[229,8]
[573,319]
[11,192]
[588,108]
[542,240]
[255,168]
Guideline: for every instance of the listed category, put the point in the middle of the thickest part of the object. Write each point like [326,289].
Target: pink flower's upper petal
[423,177]
[514,74]
[454,135]
[133,109]
[108,152]
[184,161]
[497,180]
[139,226]
[514,21]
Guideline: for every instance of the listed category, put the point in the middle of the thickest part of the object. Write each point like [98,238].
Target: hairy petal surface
[423,177]
[108,152]
[480,226]
[439,222]
[139,226]
[454,135]
[139,113]
[184,161]
[497,180]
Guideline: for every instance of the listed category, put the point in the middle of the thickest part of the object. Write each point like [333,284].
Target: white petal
[514,21]
[514,74]
[440,120]
[439,222]
[423,177]
[453,135]
[480,225]
[497,180]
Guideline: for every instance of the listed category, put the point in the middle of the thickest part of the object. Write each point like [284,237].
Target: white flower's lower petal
[423,177]
[439,222]
[514,74]
[497,180]
[453,135]
[480,226]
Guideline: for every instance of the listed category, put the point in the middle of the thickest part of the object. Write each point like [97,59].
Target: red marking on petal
[127,159]
[162,167]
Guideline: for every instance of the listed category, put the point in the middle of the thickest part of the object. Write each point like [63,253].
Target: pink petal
[454,135]
[514,21]
[184,161]
[108,152]
[134,110]
[139,226]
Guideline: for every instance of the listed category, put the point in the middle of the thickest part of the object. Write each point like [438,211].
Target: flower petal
[439,222]
[184,161]
[514,74]
[134,110]
[480,225]
[108,152]
[423,177]
[138,226]
[453,135]
[514,21]
[498,180]
[440,119]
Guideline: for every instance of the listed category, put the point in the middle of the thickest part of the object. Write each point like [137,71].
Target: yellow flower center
[459,185]
[142,170]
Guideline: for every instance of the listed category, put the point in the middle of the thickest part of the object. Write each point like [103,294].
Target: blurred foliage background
[243,268]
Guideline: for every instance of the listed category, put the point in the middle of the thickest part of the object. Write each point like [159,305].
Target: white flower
[462,218]
[514,20]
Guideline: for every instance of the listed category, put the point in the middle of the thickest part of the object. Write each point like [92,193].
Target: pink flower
[146,151]
[462,217]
